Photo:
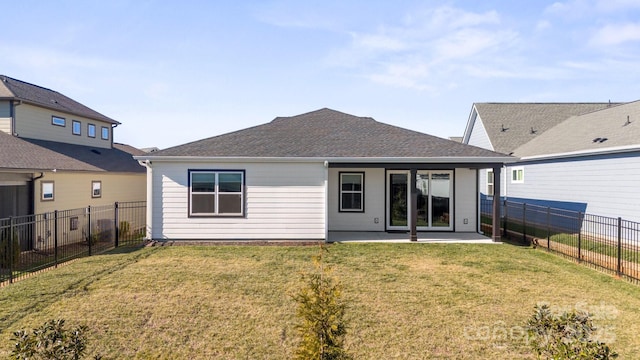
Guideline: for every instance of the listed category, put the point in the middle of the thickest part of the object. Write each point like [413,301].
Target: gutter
[364,160]
[579,153]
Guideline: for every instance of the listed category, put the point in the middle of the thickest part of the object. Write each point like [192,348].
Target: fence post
[524,222]
[90,239]
[55,238]
[580,237]
[619,246]
[504,219]
[9,255]
[117,224]
[548,225]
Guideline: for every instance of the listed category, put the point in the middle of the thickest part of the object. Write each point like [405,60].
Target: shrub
[50,341]
[9,249]
[321,311]
[124,228]
[565,336]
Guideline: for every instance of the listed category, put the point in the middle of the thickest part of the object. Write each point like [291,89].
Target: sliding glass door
[435,200]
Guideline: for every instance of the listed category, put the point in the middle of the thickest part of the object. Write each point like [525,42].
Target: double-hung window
[216,192]
[490,182]
[76,127]
[352,191]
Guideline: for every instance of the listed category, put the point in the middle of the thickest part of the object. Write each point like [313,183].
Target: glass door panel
[422,184]
[440,200]
[398,200]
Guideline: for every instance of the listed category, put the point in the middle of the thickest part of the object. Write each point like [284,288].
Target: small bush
[9,249]
[565,336]
[321,311]
[51,341]
[124,228]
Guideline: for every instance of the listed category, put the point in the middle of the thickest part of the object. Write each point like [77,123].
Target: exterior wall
[478,135]
[607,185]
[72,190]
[503,183]
[374,202]
[465,201]
[34,122]
[282,201]
[5,117]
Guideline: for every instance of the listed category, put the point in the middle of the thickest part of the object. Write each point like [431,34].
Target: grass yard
[408,301]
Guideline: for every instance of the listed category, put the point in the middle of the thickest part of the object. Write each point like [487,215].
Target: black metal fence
[32,243]
[611,244]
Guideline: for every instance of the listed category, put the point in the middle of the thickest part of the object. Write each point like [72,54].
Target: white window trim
[58,121]
[361,192]
[73,127]
[516,170]
[492,183]
[217,193]
[102,132]
[89,127]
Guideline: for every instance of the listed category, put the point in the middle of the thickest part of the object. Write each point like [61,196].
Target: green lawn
[408,301]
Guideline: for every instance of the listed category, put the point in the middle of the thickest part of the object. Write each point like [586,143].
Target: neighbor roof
[326,133]
[38,155]
[510,125]
[19,90]
[616,127]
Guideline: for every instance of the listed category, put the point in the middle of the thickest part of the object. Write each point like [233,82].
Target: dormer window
[58,121]
[105,133]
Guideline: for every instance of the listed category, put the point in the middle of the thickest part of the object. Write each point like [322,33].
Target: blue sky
[178,71]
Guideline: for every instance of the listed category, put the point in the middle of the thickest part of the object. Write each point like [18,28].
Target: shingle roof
[31,155]
[510,125]
[594,131]
[326,133]
[19,90]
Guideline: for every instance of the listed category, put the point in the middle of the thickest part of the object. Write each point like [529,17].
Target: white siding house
[304,176]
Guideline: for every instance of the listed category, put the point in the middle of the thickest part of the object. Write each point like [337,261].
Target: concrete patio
[423,237]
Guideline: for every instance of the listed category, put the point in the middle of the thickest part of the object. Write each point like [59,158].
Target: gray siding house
[305,176]
[580,157]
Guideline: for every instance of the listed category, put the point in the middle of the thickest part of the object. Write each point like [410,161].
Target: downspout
[326,201]
[113,126]
[32,193]
[12,115]
[149,227]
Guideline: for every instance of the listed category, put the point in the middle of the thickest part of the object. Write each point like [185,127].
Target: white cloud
[616,34]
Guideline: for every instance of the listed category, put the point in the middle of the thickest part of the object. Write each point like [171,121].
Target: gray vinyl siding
[282,201]
[374,202]
[478,135]
[465,200]
[608,186]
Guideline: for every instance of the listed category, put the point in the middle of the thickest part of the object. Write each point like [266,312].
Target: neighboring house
[58,154]
[580,157]
[301,177]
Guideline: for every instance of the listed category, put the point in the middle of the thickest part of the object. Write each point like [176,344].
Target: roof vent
[596,140]
[627,122]
[54,101]
[503,129]
[96,151]
[603,140]
[533,131]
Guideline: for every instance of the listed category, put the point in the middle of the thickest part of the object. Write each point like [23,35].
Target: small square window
[91,130]
[517,175]
[47,191]
[58,121]
[96,189]
[73,223]
[105,133]
[76,127]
